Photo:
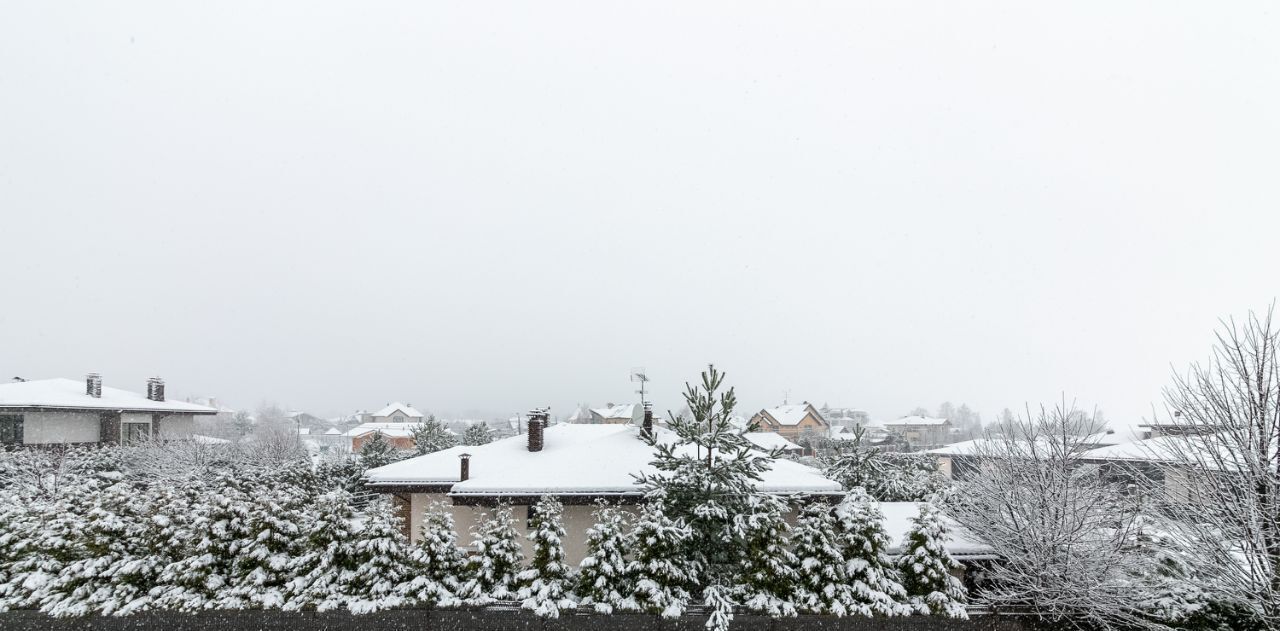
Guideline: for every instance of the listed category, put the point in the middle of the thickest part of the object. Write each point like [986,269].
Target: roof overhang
[69,408]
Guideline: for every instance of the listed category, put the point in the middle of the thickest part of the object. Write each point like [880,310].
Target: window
[397,418]
[11,429]
[132,433]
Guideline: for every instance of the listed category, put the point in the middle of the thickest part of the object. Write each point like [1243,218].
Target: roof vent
[93,385]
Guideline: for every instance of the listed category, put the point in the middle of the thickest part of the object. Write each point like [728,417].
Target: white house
[577,463]
[66,411]
[921,431]
[396,413]
[617,414]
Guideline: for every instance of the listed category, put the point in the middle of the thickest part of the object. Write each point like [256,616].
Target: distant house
[960,461]
[921,431]
[630,413]
[793,422]
[577,463]
[845,417]
[768,441]
[66,411]
[396,413]
[400,435]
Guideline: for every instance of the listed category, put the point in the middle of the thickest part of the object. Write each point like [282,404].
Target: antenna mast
[637,374]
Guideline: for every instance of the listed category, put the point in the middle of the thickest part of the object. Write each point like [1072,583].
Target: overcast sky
[479,207]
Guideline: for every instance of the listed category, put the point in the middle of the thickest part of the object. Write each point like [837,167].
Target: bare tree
[1221,451]
[1064,533]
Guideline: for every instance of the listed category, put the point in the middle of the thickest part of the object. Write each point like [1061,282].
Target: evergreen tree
[52,542]
[440,562]
[925,567]
[766,578]
[706,477]
[264,563]
[603,582]
[360,568]
[217,527]
[477,434]
[822,578]
[491,571]
[871,574]
[545,586]
[662,575]
[432,436]
[378,451]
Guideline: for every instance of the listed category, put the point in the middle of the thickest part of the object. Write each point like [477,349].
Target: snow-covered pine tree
[477,434]
[374,565]
[766,578]
[546,586]
[218,526]
[431,436]
[864,544]
[16,532]
[603,582]
[378,451]
[491,571]
[54,542]
[822,583]
[265,562]
[440,563]
[661,574]
[705,477]
[327,541]
[925,567]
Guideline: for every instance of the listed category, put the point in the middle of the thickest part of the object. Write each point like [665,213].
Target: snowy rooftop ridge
[788,414]
[575,460]
[395,430]
[770,440]
[69,394]
[916,420]
[407,410]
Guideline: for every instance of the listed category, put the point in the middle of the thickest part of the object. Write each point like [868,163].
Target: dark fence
[486,619]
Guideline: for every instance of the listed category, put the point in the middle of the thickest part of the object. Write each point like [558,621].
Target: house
[396,413]
[577,463]
[960,461]
[793,422]
[844,417]
[400,435]
[768,441]
[921,432]
[630,413]
[68,412]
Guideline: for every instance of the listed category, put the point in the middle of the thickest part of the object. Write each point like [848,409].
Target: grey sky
[489,206]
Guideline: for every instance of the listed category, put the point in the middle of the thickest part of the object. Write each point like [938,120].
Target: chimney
[155,389]
[537,423]
[646,430]
[465,473]
[93,385]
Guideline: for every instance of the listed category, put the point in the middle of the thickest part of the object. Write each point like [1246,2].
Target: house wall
[176,426]
[45,428]
[807,426]
[577,519]
[399,442]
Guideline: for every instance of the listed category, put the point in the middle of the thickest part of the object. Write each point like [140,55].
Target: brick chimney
[464,473]
[93,385]
[537,423]
[646,430]
[155,389]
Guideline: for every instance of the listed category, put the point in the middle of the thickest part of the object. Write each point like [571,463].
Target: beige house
[396,413]
[578,463]
[68,412]
[793,422]
[618,414]
[921,431]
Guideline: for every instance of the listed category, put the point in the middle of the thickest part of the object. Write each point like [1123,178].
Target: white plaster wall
[43,428]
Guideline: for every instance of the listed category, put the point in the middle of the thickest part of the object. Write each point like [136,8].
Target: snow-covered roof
[960,541]
[788,414]
[70,394]
[770,440]
[406,410]
[333,431]
[394,430]
[575,460]
[626,410]
[915,420]
[980,446]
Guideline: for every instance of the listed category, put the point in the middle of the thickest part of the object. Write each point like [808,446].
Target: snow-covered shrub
[603,582]
[822,582]
[926,566]
[431,436]
[218,526]
[378,451]
[265,562]
[477,434]
[661,575]
[885,476]
[545,586]
[359,568]
[765,580]
[439,563]
[491,571]
[864,545]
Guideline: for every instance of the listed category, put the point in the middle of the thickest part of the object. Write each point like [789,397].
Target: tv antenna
[637,374]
